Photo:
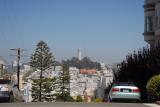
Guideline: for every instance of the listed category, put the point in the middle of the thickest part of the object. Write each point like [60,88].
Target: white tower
[79,56]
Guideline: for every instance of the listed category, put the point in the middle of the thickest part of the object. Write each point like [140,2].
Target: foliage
[98,100]
[42,59]
[47,88]
[84,63]
[153,88]
[79,98]
[139,68]
[65,97]
[63,84]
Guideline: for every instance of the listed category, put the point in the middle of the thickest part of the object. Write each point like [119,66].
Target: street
[66,104]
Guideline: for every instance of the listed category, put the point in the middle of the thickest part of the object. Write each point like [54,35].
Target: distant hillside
[86,62]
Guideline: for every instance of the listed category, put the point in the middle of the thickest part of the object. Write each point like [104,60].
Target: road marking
[152,105]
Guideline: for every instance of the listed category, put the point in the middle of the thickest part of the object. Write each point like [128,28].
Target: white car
[9,91]
[124,91]
[6,93]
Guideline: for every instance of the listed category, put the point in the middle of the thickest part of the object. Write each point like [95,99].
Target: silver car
[124,91]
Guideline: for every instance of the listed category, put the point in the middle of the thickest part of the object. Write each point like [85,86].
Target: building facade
[152,22]
[87,83]
[2,65]
[106,78]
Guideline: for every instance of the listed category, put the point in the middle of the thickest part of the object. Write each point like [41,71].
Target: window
[25,92]
[124,84]
[3,81]
[146,1]
[158,18]
[158,44]
[149,24]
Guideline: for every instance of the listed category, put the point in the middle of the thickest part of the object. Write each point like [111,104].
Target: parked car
[9,91]
[6,93]
[124,91]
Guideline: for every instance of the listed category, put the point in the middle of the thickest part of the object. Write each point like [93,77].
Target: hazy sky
[105,30]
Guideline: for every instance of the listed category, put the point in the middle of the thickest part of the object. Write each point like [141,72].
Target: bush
[98,100]
[153,88]
[79,99]
[64,98]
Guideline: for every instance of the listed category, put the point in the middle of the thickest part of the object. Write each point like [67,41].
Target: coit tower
[79,55]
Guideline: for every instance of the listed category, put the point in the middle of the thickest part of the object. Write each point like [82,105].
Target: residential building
[27,85]
[105,79]
[83,82]
[89,83]
[152,22]
[2,65]
[2,61]
[75,88]
[27,90]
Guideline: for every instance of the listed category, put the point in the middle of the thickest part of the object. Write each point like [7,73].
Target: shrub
[98,100]
[153,88]
[79,99]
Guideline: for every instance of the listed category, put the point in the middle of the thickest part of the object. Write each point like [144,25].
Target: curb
[157,102]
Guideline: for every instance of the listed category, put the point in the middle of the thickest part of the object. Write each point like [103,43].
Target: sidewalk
[151,105]
[158,102]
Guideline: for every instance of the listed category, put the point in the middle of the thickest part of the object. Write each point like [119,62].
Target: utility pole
[18,65]
[1,70]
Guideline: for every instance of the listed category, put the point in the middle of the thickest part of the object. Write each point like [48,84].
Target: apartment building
[90,83]
[83,82]
[106,78]
[152,22]
[2,65]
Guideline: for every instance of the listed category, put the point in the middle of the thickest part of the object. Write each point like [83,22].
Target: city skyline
[105,30]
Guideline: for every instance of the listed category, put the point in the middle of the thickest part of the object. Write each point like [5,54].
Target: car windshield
[2,81]
[123,84]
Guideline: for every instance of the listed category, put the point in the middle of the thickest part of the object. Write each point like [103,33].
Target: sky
[104,30]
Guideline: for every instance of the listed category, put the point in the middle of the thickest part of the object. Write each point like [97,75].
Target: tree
[139,67]
[63,84]
[42,59]
[86,63]
[47,88]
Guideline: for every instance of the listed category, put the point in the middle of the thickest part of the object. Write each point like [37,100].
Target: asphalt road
[63,104]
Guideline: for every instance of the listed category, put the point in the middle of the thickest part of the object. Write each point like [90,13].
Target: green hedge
[153,88]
